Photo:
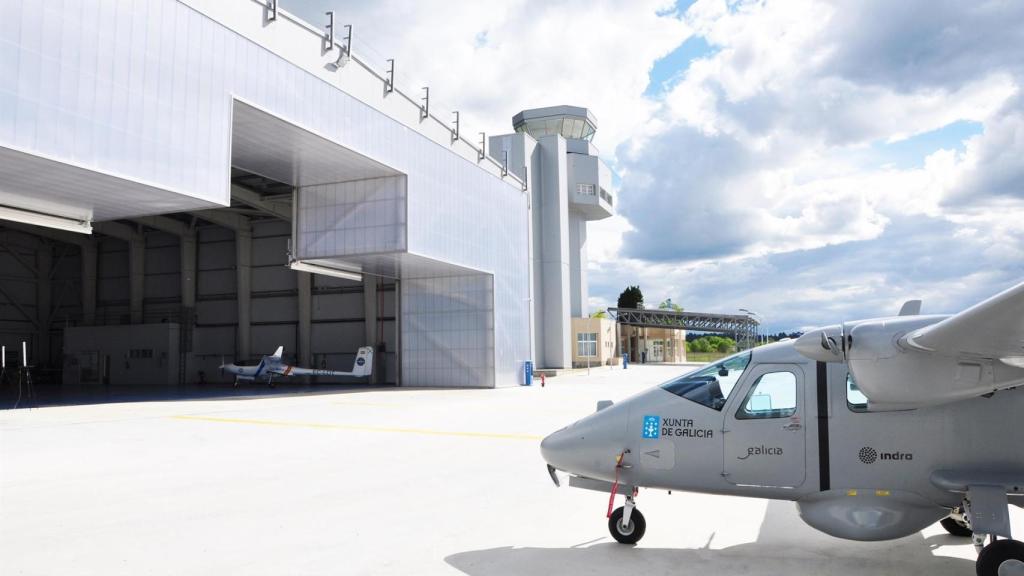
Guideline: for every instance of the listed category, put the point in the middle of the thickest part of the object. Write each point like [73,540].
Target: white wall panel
[358,217]
[104,85]
[448,331]
[144,89]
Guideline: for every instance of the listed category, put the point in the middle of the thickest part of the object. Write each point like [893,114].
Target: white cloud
[756,153]
[746,185]
[490,60]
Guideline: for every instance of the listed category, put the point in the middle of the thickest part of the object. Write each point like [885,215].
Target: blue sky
[813,160]
[911,152]
[668,70]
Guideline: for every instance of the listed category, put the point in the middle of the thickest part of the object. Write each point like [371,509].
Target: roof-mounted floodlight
[346,51]
[45,220]
[329,31]
[301,266]
[389,82]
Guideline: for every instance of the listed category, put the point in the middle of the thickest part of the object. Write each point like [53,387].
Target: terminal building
[188,181]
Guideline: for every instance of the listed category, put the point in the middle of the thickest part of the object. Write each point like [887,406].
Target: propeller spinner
[828,344]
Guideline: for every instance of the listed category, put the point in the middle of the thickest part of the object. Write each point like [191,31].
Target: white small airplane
[273,365]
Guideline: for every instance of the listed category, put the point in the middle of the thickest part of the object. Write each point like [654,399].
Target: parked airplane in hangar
[875,428]
[274,365]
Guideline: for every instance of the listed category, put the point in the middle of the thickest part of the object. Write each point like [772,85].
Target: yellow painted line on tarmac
[357,428]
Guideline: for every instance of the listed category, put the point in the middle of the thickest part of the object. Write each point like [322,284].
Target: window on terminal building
[585,189]
[586,344]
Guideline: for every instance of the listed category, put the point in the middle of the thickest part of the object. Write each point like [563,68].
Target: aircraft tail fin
[277,353]
[911,308]
[363,365]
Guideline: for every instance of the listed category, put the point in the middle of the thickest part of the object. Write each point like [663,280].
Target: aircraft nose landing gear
[1001,558]
[986,514]
[626,523]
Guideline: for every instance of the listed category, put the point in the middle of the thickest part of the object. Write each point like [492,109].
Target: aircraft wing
[296,371]
[913,361]
[993,329]
[362,366]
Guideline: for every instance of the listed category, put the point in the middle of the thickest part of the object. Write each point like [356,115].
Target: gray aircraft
[274,365]
[876,429]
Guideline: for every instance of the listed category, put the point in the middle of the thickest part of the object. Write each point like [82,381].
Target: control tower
[569,186]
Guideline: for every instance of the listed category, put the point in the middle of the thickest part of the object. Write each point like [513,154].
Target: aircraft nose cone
[588,447]
[556,448]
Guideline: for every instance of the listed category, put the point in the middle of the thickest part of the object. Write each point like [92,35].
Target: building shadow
[15,393]
[784,547]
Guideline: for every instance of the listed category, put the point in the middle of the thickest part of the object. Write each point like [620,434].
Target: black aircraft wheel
[998,553]
[956,528]
[630,534]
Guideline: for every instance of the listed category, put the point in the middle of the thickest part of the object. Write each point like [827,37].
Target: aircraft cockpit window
[855,399]
[772,396]
[711,385]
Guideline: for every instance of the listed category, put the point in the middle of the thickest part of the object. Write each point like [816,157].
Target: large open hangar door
[151,306]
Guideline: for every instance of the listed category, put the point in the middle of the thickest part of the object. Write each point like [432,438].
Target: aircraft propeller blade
[846,341]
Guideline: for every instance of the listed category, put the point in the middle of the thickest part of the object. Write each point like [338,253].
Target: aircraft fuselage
[782,426]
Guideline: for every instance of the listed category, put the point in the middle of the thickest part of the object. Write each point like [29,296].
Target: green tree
[706,344]
[599,314]
[631,297]
[668,304]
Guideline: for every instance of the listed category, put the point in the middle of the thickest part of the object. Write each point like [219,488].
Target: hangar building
[184,181]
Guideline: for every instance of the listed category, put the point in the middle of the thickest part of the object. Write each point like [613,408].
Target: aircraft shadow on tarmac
[784,546]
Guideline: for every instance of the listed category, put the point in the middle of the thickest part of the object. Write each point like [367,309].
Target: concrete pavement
[395,481]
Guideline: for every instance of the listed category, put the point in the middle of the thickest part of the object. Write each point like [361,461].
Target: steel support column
[305,337]
[188,270]
[89,258]
[370,314]
[136,275]
[44,293]
[243,268]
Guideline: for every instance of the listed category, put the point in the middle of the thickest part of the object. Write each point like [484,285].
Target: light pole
[759,319]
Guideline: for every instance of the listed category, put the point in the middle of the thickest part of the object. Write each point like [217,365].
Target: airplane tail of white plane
[363,365]
[277,353]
